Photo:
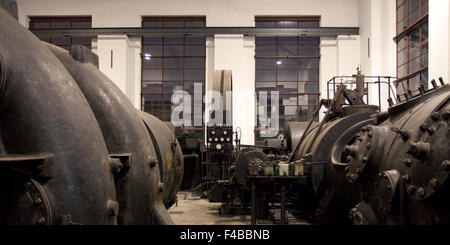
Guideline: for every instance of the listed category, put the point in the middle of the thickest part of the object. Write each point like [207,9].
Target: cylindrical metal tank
[169,154]
[138,185]
[45,118]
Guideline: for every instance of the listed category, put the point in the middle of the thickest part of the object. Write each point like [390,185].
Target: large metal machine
[73,149]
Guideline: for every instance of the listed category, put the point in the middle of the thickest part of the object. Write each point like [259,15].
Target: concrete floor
[193,210]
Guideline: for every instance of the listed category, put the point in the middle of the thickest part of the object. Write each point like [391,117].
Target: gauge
[216,139]
[218,146]
[224,132]
[228,139]
[210,139]
[222,139]
[213,132]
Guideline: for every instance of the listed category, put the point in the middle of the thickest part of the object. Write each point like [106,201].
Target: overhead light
[279,62]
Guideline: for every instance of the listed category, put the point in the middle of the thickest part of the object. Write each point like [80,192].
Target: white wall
[439,31]
[339,56]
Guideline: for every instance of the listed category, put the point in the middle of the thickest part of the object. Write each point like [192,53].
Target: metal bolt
[160,187]
[369,145]
[406,178]
[349,158]
[407,162]
[423,128]
[435,116]
[445,114]
[364,159]
[347,169]
[37,201]
[112,207]
[420,192]
[358,170]
[411,190]
[434,183]
[41,221]
[152,161]
[431,129]
[370,133]
[445,165]
[419,149]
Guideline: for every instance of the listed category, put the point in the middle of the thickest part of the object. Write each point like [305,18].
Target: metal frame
[199,31]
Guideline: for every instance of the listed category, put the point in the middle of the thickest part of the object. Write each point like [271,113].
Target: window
[289,65]
[172,63]
[412,45]
[66,22]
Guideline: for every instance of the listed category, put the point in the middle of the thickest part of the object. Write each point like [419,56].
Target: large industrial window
[412,44]
[289,65]
[171,64]
[67,22]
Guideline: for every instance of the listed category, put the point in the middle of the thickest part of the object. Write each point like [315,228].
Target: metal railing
[369,82]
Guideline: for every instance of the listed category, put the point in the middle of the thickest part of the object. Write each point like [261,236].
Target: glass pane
[288,99]
[308,99]
[173,50]
[60,25]
[265,75]
[287,87]
[305,113]
[194,24]
[265,63]
[194,63]
[151,87]
[402,43]
[414,65]
[150,24]
[171,63]
[425,31]
[152,75]
[173,40]
[287,50]
[402,71]
[414,44]
[81,41]
[173,75]
[402,57]
[152,50]
[265,86]
[195,40]
[81,24]
[308,24]
[287,75]
[59,41]
[424,7]
[265,40]
[287,63]
[189,86]
[308,75]
[308,63]
[265,24]
[194,74]
[40,25]
[308,87]
[174,24]
[152,40]
[152,63]
[283,24]
[265,50]
[309,50]
[413,9]
[309,40]
[172,87]
[197,50]
[287,40]
[424,55]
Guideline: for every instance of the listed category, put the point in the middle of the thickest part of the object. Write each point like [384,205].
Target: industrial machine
[73,150]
